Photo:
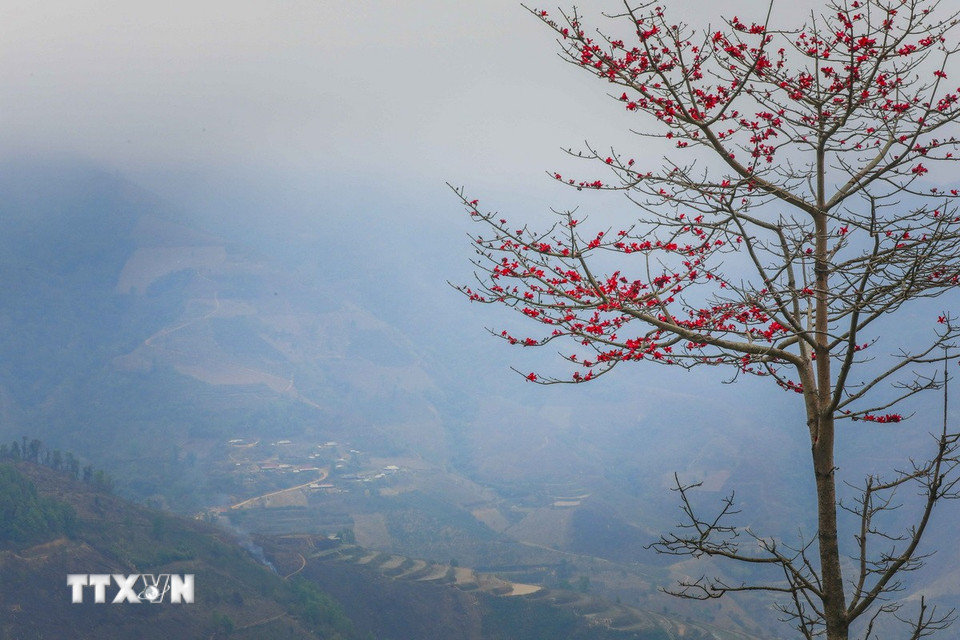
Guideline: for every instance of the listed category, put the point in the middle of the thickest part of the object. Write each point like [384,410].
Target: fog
[183,95]
[290,110]
[332,127]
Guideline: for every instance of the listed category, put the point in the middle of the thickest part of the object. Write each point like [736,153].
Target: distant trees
[27,517]
[795,213]
[33,450]
[319,610]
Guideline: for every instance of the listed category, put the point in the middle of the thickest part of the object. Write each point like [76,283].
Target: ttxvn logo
[133,588]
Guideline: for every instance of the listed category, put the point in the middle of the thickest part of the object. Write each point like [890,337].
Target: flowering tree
[796,215]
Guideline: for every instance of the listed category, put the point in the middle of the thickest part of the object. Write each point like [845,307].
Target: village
[287,473]
[324,486]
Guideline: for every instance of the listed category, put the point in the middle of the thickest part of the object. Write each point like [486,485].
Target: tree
[33,451]
[794,216]
[71,464]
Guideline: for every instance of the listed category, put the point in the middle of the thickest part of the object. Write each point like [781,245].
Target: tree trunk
[834,600]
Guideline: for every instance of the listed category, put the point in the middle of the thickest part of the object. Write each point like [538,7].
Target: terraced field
[597,612]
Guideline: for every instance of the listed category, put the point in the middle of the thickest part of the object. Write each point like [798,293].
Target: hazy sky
[320,92]
[427,90]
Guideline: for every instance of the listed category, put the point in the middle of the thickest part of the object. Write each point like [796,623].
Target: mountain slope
[120,321]
[233,592]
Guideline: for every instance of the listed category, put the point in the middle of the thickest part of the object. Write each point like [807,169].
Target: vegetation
[319,610]
[34,450]
[28,517]
[507,618]
[234,592]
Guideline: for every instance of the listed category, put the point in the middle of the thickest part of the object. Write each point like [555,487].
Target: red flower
[884,419]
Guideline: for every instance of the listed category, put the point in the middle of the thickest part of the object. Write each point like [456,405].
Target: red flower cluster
[882,419]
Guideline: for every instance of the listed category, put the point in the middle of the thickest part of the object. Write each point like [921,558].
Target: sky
[190,97]
[332,91]
[201,98]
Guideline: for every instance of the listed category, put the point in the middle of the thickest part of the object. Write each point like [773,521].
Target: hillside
[311,587]
[234,594]
[121,320]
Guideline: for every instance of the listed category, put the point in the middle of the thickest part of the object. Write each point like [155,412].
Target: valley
[413,520]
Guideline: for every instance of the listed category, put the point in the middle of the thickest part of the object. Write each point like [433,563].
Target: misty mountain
[125,323]
[121,323]
[146,338]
